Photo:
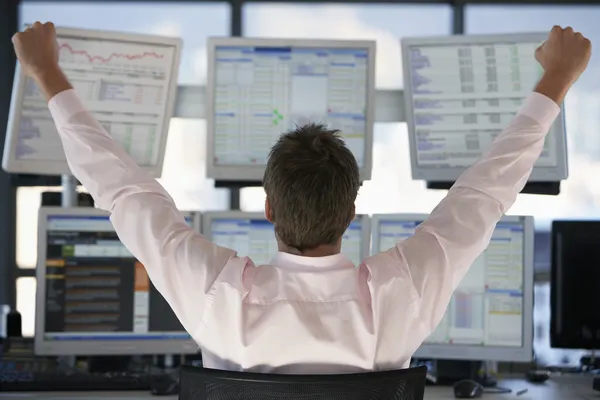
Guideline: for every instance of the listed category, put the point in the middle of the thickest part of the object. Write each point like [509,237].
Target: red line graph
[92,58]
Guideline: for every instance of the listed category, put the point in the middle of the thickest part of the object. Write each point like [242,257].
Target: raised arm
[181,263]
[460,227]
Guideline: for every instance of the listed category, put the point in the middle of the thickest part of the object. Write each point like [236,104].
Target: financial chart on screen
[260,89]
[461,92]
[487,308]
[97,295]
[254,236]
[127,82]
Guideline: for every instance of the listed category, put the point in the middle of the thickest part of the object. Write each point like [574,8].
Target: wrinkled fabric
[304,314]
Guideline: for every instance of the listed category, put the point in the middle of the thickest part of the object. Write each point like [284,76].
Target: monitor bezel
[11,164]
[208,217]
[92,347]
[491,353]
[365,226]
[450,174]
[254,173]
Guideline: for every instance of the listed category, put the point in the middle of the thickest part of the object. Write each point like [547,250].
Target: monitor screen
[461,92]
[250,234]
[94,297]
[575,274]
[355,242]
[127,81]
[490,314]
[261,88]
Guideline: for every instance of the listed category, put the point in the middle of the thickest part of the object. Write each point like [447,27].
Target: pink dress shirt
[302,314]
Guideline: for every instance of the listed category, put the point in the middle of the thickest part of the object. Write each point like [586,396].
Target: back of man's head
[311,181]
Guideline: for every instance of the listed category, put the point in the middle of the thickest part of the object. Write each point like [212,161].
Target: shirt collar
[287,260]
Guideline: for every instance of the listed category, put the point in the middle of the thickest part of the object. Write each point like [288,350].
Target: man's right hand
[564,56]
[37,49]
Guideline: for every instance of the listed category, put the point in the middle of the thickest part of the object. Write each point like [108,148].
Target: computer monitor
[490,316]
[127,81]
[261,88]
[93,296]
[575,278]
[250,234]
[461,91]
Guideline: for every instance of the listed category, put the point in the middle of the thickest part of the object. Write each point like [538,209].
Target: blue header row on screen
[408,224]
[278,51]
[356,117]
[516,226]
[256,223]
[104,218]
[116,337]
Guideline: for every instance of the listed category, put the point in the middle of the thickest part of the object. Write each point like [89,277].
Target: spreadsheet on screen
[487,307]
[127,85]
[461,97]
[261,92]
[95,290]
[255,238]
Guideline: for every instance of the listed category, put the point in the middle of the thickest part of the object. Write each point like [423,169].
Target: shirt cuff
[541,109]
[64,106]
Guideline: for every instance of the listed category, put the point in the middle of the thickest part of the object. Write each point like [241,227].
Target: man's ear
[268,211]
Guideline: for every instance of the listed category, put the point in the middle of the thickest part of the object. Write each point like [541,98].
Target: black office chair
[210,384]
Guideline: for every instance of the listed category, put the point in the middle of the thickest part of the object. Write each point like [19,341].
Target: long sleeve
[181,263]
[460,228]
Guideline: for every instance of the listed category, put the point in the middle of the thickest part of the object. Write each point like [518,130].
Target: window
[184,170]
[29,200]
[579,195]
[26,304]
[391,188]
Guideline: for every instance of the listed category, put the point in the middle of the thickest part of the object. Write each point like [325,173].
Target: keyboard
[65,382]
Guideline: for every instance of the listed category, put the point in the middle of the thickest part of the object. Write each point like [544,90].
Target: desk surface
[558,388]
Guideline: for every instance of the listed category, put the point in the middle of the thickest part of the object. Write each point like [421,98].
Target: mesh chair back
[209,384]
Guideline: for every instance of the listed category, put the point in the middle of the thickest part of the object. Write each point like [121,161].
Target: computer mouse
[467,389]
[537,376]
[164,387]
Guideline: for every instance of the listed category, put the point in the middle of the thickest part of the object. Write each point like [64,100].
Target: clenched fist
[565,53]
[37,49]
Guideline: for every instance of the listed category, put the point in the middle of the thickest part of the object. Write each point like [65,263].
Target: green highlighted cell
[277,117]
[68,251]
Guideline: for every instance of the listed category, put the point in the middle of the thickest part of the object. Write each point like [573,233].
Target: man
[310,310]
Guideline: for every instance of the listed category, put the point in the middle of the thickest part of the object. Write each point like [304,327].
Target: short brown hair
[311,181]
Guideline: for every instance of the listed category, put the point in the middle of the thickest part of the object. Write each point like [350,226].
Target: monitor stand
[235,188]
[54,199]
[448,372]
[544,188]
[590,361]
[237,184]
[107,364]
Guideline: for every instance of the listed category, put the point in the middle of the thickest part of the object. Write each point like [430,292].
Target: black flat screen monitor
[575,280]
